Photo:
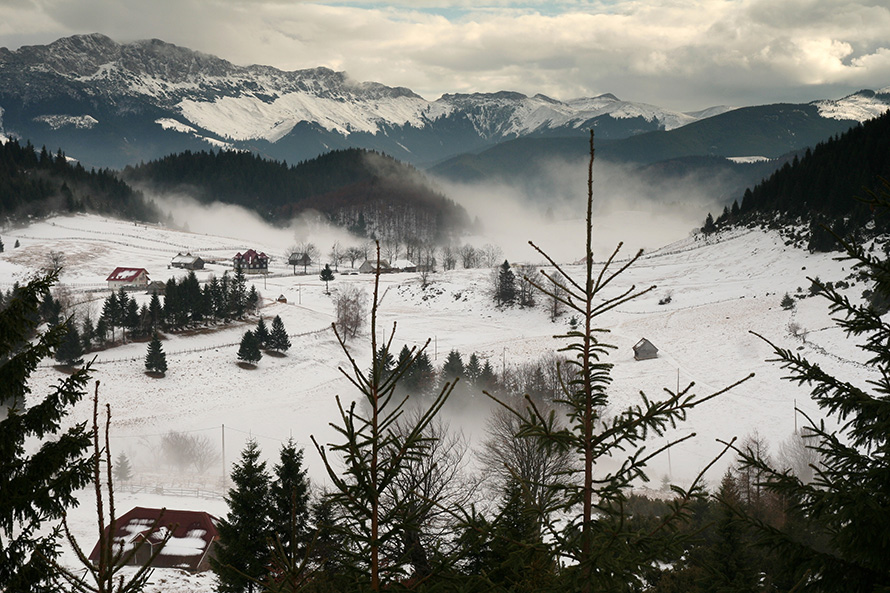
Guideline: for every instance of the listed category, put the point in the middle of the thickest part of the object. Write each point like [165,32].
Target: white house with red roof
[251,262]
[128,278]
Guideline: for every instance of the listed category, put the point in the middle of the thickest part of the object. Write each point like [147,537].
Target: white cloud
[684,55]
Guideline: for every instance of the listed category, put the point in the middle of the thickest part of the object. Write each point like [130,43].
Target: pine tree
[242,557]
[327,274]
[253,298]
[709,226]
[123,470]
[70,351]
[474,369]
[87,333]
[278,339]
[1,245]
[36,488]
[262,333]
[453,367]
[787,301]
[506,285]
[249,351]
[587,515]
[238,295]
[290,501]
[844,505]
[155,359]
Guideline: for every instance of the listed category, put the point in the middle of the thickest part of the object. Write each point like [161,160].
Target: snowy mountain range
[111,104]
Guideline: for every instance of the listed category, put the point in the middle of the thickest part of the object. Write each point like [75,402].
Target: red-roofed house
[128,277]
[252,262]
[190,546]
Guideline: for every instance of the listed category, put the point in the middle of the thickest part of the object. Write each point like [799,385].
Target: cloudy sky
[680,54]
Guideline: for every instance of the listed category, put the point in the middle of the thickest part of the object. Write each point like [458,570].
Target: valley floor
[722,291]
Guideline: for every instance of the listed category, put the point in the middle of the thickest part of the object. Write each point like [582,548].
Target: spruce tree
[278,339]
[506,285]
[123,470]
[36,487]
[155,312]
[453,367]
[587,517]
[155,359]
[87,333]
[845,504]
[242,557]
[290,501]
[262,333]
[249,351]
[70,351]
[327,274]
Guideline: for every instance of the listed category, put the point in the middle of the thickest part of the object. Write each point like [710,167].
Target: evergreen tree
[17,244]
[37,487]
[278,339]
[709,226]
[238,295]
[262,333]
[420,378]
[123,470]
[101,331]
[242,557]
[474,369]
[111,314]
[487,379]
[787,301]
[506,285]
[70,351]
[249,351]
[453,367]
[253,298]
[155,359]
[131,318]
[1,245]
[844,505]
[327,274]
[87,333]
[290,501]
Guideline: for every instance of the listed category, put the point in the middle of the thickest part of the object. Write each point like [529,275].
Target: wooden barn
[370,267]
[251,262]
[644,350]
[190,547]
[128,278]
[404,265]
[299,259]
[187,261]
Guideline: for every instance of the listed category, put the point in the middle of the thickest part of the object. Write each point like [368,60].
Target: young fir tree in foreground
[242,558]
[845,505]
[586,519]
[262,333]
[35,487]
[374,451]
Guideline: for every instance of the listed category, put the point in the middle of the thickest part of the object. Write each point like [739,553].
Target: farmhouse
[128,278]
[187,261]
[404,265]
[194,536]
[370,267]
[251,262]
[645,350]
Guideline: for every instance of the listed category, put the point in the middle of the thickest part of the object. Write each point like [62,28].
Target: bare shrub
[183,451]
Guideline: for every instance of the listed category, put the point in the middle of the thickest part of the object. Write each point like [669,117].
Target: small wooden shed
[644,350]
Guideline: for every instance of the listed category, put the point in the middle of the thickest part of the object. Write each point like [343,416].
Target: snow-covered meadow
[721,290]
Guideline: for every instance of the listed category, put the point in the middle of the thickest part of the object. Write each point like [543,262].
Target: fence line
[190,350]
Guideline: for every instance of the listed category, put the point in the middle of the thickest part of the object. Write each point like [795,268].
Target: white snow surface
[723,290]
[81,122]
[859,107]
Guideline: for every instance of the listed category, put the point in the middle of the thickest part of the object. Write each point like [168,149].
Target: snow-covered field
[720,291]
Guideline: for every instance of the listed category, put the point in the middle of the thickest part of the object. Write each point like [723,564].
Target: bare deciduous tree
[353,253]
[350,302]
[799,454]
[184,450]
[469,257]
[337,254]
[449,257]
[491,255]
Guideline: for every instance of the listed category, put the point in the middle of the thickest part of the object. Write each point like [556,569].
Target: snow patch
[747,159]
[81,122]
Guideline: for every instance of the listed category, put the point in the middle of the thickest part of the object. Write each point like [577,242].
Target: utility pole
[224,456]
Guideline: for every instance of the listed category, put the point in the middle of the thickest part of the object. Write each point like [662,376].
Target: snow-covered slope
[856,107]
[721,289]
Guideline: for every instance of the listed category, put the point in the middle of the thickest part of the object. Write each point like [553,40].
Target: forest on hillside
[827,188]
[36,184]
[371,194]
